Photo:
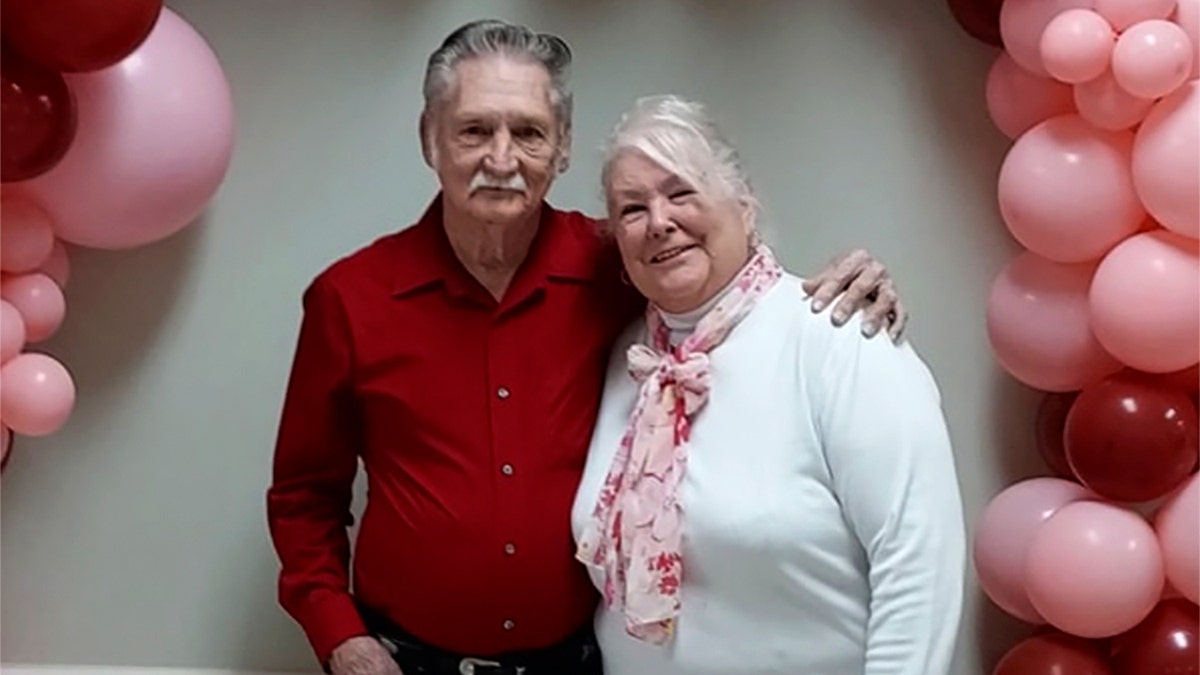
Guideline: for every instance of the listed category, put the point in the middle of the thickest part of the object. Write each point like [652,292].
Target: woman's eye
[630,209]
[681,194]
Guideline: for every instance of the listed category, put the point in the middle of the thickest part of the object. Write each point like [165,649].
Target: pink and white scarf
[635,534]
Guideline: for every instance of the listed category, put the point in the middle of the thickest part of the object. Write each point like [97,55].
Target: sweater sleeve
[892,467]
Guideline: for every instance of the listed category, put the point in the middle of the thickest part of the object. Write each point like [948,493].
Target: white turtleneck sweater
[823,530]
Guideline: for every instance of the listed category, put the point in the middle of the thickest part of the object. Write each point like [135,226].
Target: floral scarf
[635,534]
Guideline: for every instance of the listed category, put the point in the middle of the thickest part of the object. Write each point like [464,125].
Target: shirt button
[503,392]
[509,624]
[507,469]
[510,549]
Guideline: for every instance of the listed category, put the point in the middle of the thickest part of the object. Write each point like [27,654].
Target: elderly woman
[764,493]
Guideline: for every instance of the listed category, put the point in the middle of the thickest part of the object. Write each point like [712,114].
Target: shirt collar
[565,248]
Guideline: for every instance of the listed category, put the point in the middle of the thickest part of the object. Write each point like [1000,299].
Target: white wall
[136,535]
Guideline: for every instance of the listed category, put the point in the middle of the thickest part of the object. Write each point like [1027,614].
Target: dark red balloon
[1048,429]
[1188,378]
[37,118]
[75,36]
[1131,438]
[1053,654]
[980,18]
[1164,643]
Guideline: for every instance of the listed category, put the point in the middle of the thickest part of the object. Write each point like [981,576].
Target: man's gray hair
[489,37]
[678,135]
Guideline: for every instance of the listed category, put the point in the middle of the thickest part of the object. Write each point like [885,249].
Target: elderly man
[462,360]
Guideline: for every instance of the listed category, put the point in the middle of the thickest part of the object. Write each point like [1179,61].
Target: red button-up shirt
[472,419]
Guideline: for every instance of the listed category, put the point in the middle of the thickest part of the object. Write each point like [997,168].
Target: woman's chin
[678,300]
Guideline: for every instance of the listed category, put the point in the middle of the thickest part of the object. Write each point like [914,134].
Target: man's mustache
[481,180]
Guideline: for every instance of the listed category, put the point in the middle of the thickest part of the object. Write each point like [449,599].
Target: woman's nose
[659,219]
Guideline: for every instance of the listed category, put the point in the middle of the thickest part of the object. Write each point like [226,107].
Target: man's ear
[425,131]
[564,151]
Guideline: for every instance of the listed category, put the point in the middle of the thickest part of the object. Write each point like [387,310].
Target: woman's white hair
[678,135]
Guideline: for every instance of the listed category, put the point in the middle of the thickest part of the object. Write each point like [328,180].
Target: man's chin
[504,210]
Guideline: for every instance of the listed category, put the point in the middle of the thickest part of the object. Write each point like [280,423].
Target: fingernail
[818,305]
[839,316]
[868,328]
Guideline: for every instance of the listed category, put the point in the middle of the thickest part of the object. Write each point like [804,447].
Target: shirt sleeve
[308,503]
[889,454]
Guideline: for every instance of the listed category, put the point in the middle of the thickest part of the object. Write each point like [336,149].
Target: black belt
[577,655]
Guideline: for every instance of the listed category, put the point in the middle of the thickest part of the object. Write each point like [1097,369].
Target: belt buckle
[468,664]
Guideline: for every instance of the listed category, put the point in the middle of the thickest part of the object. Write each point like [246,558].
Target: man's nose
[500,158]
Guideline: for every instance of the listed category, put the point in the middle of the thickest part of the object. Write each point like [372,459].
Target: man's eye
[528,134]
[474,130]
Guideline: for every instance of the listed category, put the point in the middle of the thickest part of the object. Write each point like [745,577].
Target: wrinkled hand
[362,656]
[865,285]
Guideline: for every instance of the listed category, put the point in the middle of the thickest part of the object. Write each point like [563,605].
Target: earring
[625,277]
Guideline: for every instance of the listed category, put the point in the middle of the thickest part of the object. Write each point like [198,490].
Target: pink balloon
[154,141]
[1066,191]
[1166,164]
[25,238]
[1178,526]
[1094,569]
[1152,58]
[1169,590]
[1017,99]
[1022,23]
[1145,302]
[57,265]
[1004,533]
[1187,15]
[5,445]
[1105,105]
[12,331]
[37,396]
[1040,328]
[1124,13]
[39,300]
[1077,46]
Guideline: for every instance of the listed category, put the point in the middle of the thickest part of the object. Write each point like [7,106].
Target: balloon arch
[1101,311]
[118,129]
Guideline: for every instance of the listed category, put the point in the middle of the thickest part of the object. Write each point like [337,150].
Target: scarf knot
[687,376]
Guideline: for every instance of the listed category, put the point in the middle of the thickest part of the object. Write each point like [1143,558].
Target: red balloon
[75,36]
[37,118]
[1053,654]
[1188,378]
[1048,428]
[1131,438]
[1164,642]
[980,18]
